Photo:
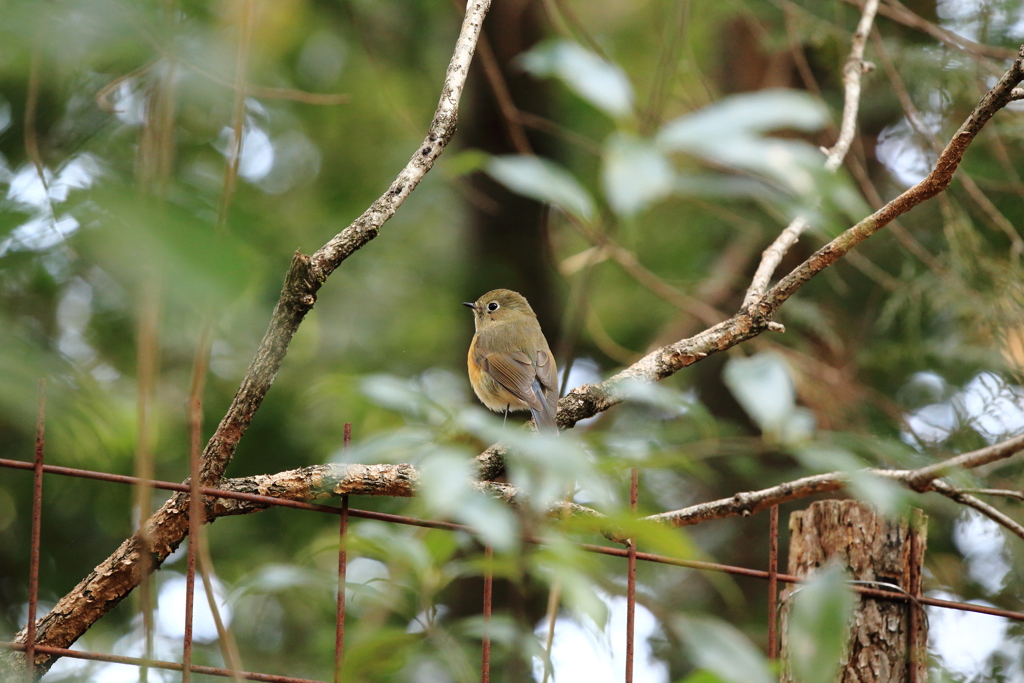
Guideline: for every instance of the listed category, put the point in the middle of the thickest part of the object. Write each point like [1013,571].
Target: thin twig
[200,546]
[995,216]
[568,24]
[605,343]
[31,103]
[245,31]
[31,135]
[506,105]
[983,456]
[225,637]
[576,312]
[104,93]
[1004,493]
[772,257]
[147,375]
[536,122]
[606,246]
[916,120]
[853,70]
[873,271]
[554,599]
[981,506]
[668,62]
[295,95]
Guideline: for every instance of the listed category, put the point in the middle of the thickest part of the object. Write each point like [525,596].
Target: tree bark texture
[870,548]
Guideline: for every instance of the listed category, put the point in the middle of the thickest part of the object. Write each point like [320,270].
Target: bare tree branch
[984,508]
[747,503]
[921,480]
[852,72]
[771,257]
[983,456]
[1004,493]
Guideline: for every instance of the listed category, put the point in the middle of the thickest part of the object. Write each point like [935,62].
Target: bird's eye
[493,306]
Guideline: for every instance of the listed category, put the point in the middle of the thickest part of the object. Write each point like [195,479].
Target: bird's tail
[545,420]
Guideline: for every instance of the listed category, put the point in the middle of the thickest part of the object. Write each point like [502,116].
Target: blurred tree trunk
[508,248]
[870,548]
[508,232]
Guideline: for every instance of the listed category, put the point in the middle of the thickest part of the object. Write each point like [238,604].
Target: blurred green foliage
[684,134]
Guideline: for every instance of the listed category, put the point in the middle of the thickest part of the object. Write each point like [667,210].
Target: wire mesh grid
[344,512]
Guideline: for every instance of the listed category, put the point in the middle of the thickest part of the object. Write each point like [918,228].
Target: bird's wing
[515,372]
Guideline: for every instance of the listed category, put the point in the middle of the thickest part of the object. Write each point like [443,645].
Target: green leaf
[393,392]
[635,173]
[495,523]
[745,115]
[702,676]
[596,80]
[763,386]
[445,489]
[828,458]
[723,650]
[672,401]
[543,180]
[819,626]
[136,241]
[465,162]
[559,560]
[381,651]
[890,498]
[886,495]
[731,133]
[444,482]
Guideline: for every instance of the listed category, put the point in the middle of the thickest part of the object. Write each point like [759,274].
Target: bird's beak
[470,304]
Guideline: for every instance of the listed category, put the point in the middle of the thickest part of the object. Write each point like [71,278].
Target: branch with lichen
[309,484]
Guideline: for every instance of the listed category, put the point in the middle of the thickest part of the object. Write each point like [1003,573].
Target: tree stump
[870,548]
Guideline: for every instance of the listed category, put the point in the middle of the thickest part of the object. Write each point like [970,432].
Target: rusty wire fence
[343,511]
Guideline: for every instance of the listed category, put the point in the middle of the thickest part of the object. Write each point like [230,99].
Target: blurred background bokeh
[673,141]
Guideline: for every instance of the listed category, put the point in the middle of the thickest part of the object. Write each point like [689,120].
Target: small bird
[510,364]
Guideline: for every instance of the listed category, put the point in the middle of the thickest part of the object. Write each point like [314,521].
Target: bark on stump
[870,548]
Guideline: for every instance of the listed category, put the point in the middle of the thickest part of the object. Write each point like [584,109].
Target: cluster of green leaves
[637,170]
